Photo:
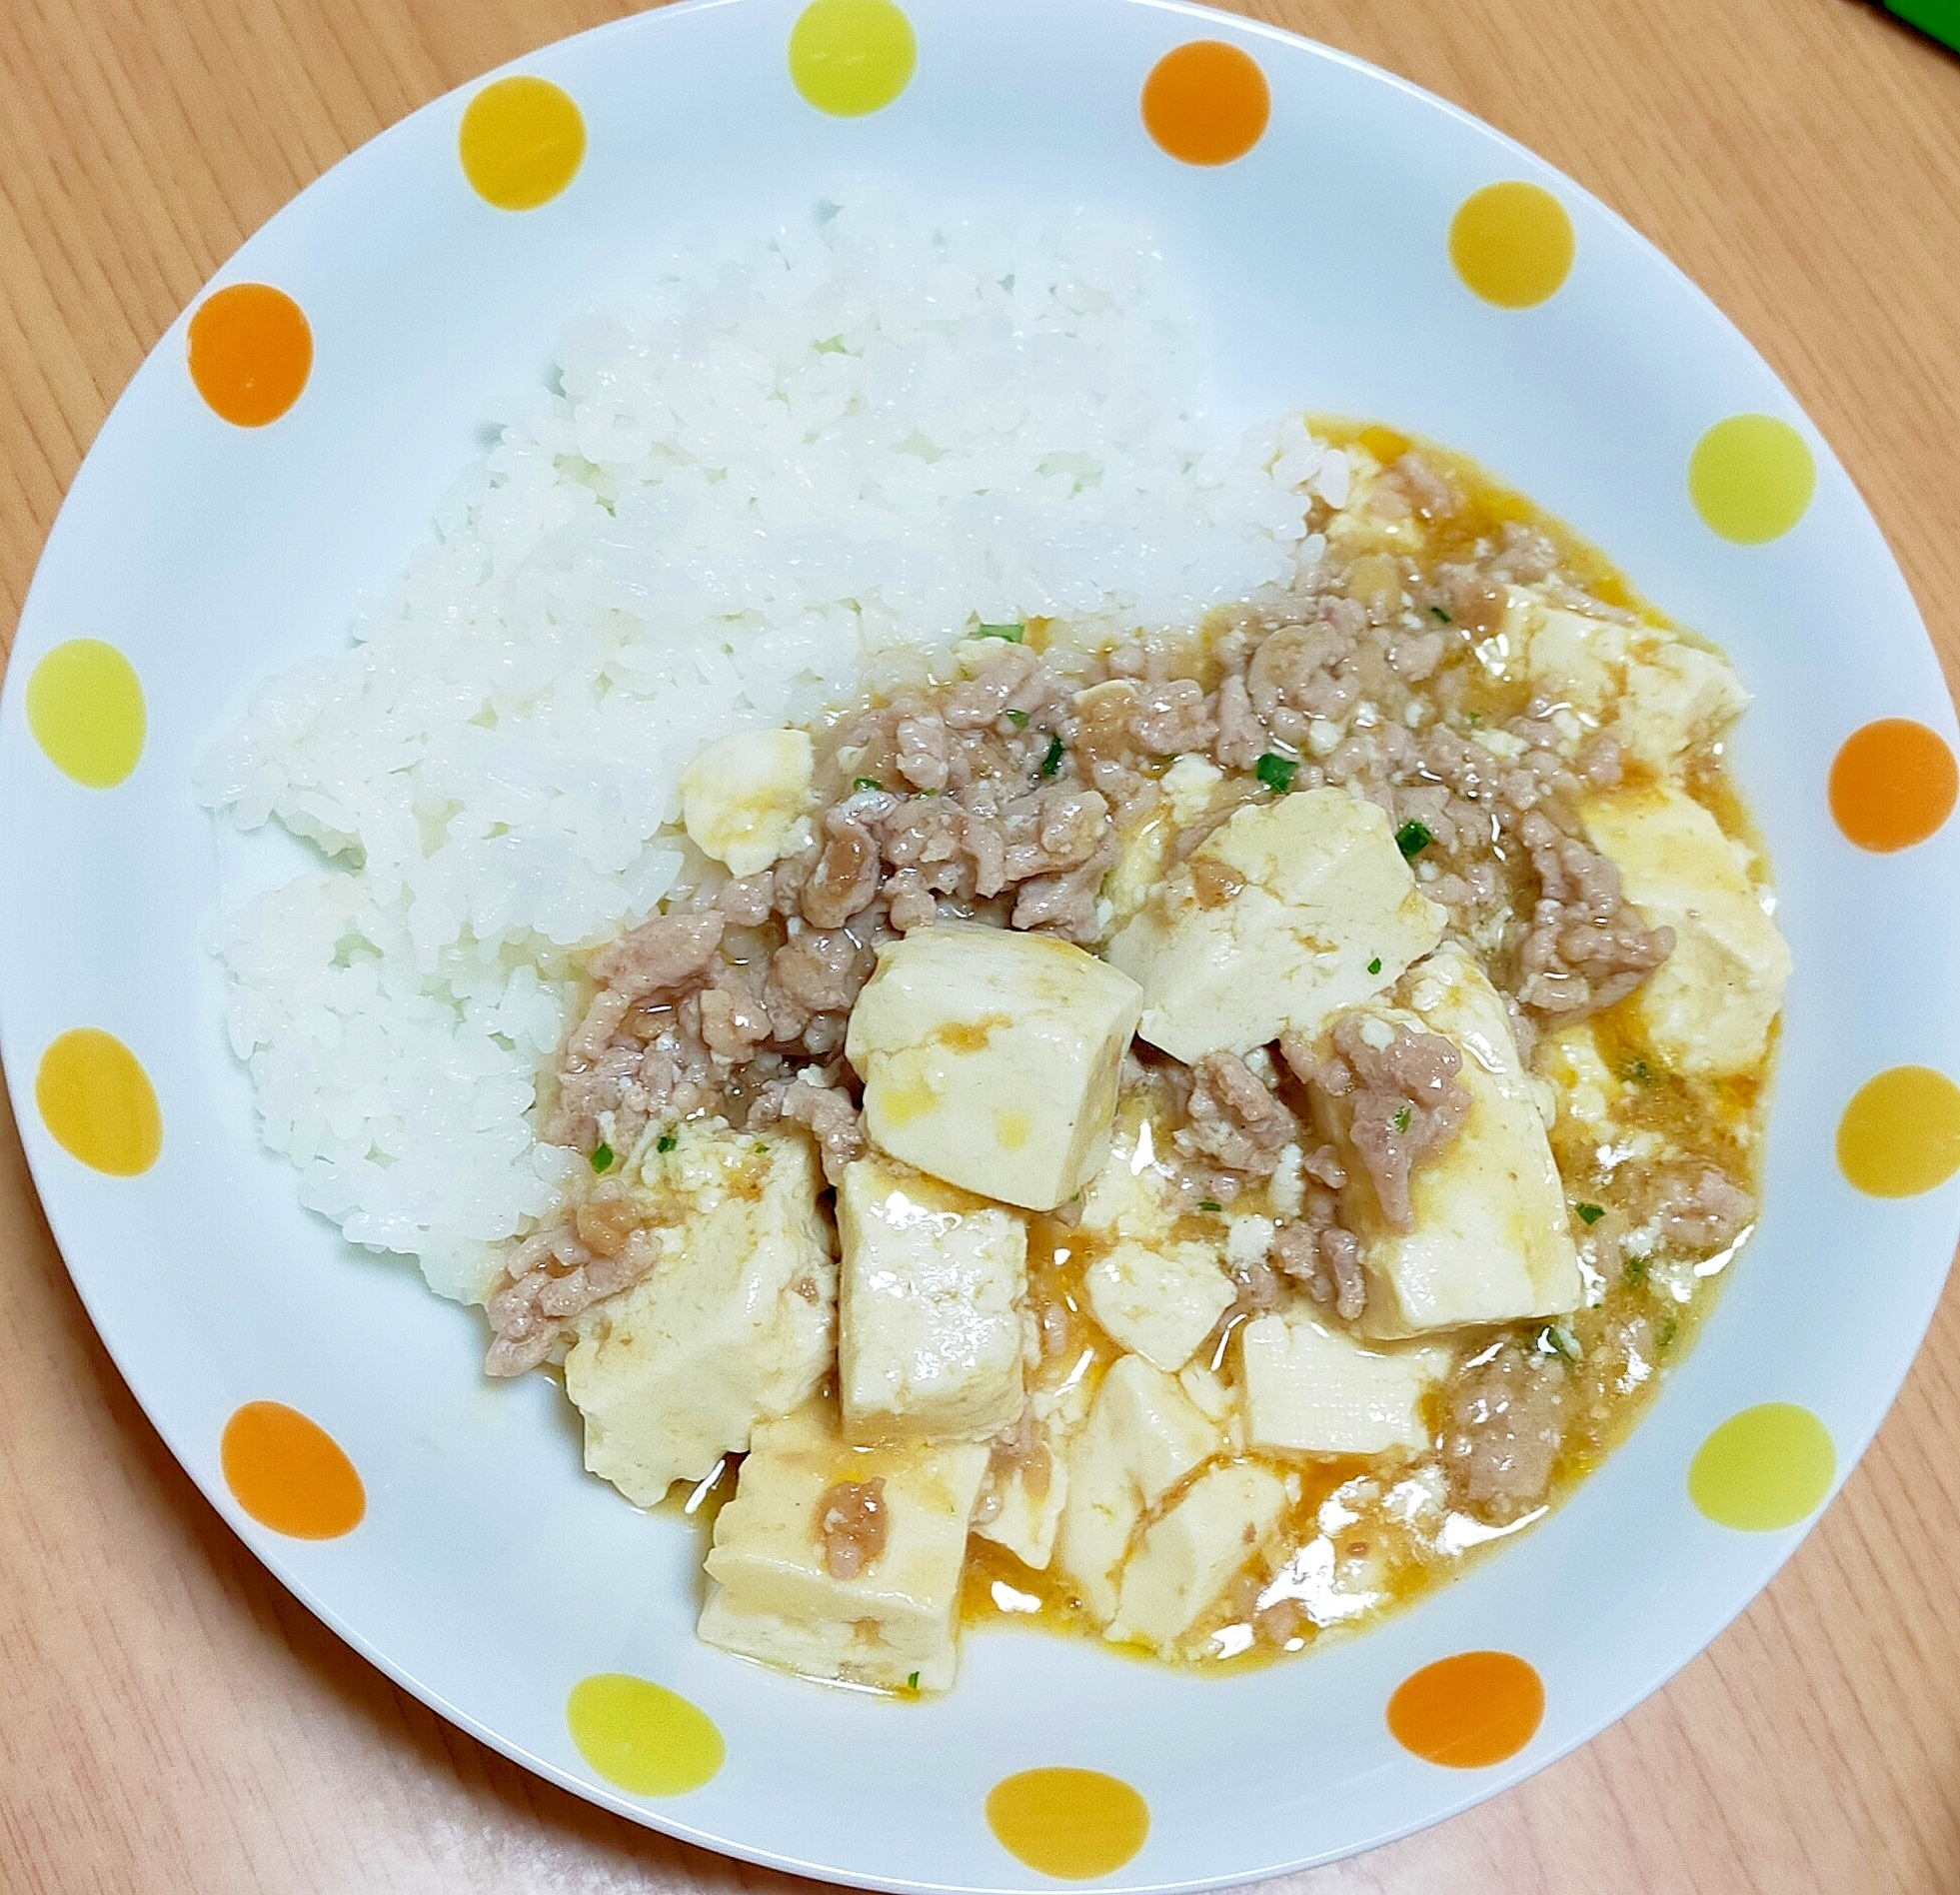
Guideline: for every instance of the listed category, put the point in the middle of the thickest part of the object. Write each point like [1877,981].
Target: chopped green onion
[1018,719]
[761,1151]
[1555,1339]
[1669,1330]
[1013,634]
[1053,761]
[602,1157]
[1589,1214]
[1374,966]
[1277,772]
[1401,1118]
[1639,1071]
[1438,612]
[912,1683]
[666,1142]
[866,782]
[1634,1269]
[1412,837]
[1209,1203]
[1477,718]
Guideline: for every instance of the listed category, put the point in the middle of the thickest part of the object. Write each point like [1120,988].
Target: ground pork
[852,1525]
[554,1275]
[1403,1095]
[1235,1124]
[1501,1432]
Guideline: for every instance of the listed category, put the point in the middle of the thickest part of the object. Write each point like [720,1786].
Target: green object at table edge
[1937,19]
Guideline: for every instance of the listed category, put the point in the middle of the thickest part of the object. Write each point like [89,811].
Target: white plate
[489,1575]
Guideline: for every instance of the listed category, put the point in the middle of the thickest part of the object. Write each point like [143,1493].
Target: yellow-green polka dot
[850,57]
[642,1738]
[1071,1824]
[85,708]
[1764,1469]
[97,1103]
[522,142]
[1512,243]
[1900,1136]
[1751,478]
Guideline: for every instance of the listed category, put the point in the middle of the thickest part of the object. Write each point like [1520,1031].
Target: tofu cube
[735,1324]
[930,1302]
[775,1596]
[1188,1558]
[1275,924]
[1160,1303]
[1707,1009]
[743,794]
[1031,1491]
[990,1059]
[1142,1436]
[1490,1239]
[1662,694]
[1311,1388]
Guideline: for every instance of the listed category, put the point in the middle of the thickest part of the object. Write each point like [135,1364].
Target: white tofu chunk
[1660,693]
[929,1302]
[1296,902]
[1031,1491]
[1587,1091]
[743,794]
[1186,1559]
[736,1323]
[1490,1240]
[1142,1436]
[1708,1008]
[1310,1389]
[775,1596]
[1160,1303]
[1134,1195]
[990,1059]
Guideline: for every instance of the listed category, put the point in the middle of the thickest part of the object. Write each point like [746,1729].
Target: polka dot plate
[1358,248]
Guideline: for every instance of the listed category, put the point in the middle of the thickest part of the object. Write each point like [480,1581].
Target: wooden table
[170,1719]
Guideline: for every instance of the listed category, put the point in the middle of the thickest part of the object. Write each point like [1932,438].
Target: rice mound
[805,459]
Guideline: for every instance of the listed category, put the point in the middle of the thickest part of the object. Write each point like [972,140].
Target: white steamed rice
[805,453]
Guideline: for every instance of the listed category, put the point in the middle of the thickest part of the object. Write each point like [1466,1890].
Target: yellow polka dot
[85,708]
[1763,1468]
[290,1475]
[850,57]
[1751,478]
[1511,243]
[641,1737]
[522,142]
[1900,1134]
[97,1101]
[1073,1824]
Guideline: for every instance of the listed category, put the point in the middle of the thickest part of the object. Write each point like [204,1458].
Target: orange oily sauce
[1351,1557]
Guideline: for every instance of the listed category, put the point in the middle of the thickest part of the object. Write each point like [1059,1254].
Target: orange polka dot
[1469,1712]
[1892,784]
[1900,1136]
[1206,103]
[1071,1824]
[290,1475]
[250,351]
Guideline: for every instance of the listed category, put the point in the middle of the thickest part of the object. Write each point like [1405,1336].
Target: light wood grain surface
[171,1720]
